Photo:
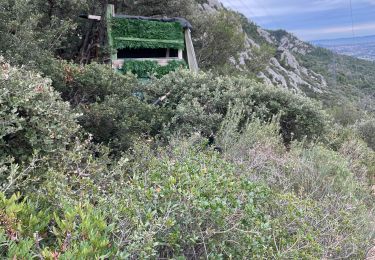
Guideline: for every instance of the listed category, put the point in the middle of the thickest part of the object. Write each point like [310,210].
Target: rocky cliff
[283,67]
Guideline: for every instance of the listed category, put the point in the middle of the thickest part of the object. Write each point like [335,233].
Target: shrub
[40,135]
[366,130]
[81,85]
[330,183]
[147,68]
[77,231]
[35,119]
[172,207]
[107,101]
[36,125]
[208,28]
[118,121]
[198,102]
[346,115]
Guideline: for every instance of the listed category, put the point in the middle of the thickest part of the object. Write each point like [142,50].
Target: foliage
[77,231]
[350,79]
[251,29]
[107,101]
[168,8]
[19,27]
[366,130]
[142,69]
[330,183]
[117,121]
[170,67]
[260,58]
[165,203]
[224,25]
[346,115]
[176,205]
[87,84]
[143,30]
[279,34]
[36,123]
[64,195]
[199,102]
[172,208]
[196,103]
[34,31]
[147,68]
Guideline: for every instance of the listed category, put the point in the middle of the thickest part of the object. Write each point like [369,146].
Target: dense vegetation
[135,28]
[95,165]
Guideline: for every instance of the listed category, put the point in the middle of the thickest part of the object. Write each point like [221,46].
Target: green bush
[40,135]
[34,31]
[36,124]
[198,102]
[106,100]
[171,207]
[142,69]
[147,68]
[167,8]
[330,185]
[74,231]
[176,205]
[118,121]
[155,205]
[81,85]
[212,53]
[366,130]
[170,67]
[35,119]
[346,115]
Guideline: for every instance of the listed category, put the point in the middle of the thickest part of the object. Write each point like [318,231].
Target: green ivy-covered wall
[147,68]
[137,33]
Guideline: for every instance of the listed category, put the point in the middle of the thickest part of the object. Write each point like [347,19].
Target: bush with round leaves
[35,125]
[199,102]
[182,202]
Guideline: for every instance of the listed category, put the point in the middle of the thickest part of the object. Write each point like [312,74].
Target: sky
[311,19]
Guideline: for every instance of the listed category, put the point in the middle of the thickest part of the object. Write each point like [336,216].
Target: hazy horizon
[311,20]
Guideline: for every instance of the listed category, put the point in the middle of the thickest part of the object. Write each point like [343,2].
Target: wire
[245,7]
[353,34]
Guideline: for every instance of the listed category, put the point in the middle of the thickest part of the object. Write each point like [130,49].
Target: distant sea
[360,47]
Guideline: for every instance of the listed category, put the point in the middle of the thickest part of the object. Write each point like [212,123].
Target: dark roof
[184,23]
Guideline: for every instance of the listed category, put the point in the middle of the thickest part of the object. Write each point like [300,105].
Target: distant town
[360,47]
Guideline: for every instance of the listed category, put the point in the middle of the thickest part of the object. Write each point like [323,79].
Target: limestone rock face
[211,5]
[283,70]
[266,35]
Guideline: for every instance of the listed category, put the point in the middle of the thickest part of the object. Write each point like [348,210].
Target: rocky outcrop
[211,5]
[283,69]
[295,45]
[266,35]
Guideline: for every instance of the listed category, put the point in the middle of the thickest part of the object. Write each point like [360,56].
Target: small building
[149,46]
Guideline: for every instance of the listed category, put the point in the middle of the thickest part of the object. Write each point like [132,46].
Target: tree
[171,8]
[218,37]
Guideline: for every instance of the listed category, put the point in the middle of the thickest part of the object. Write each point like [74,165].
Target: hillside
[304,68]
[262,154]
